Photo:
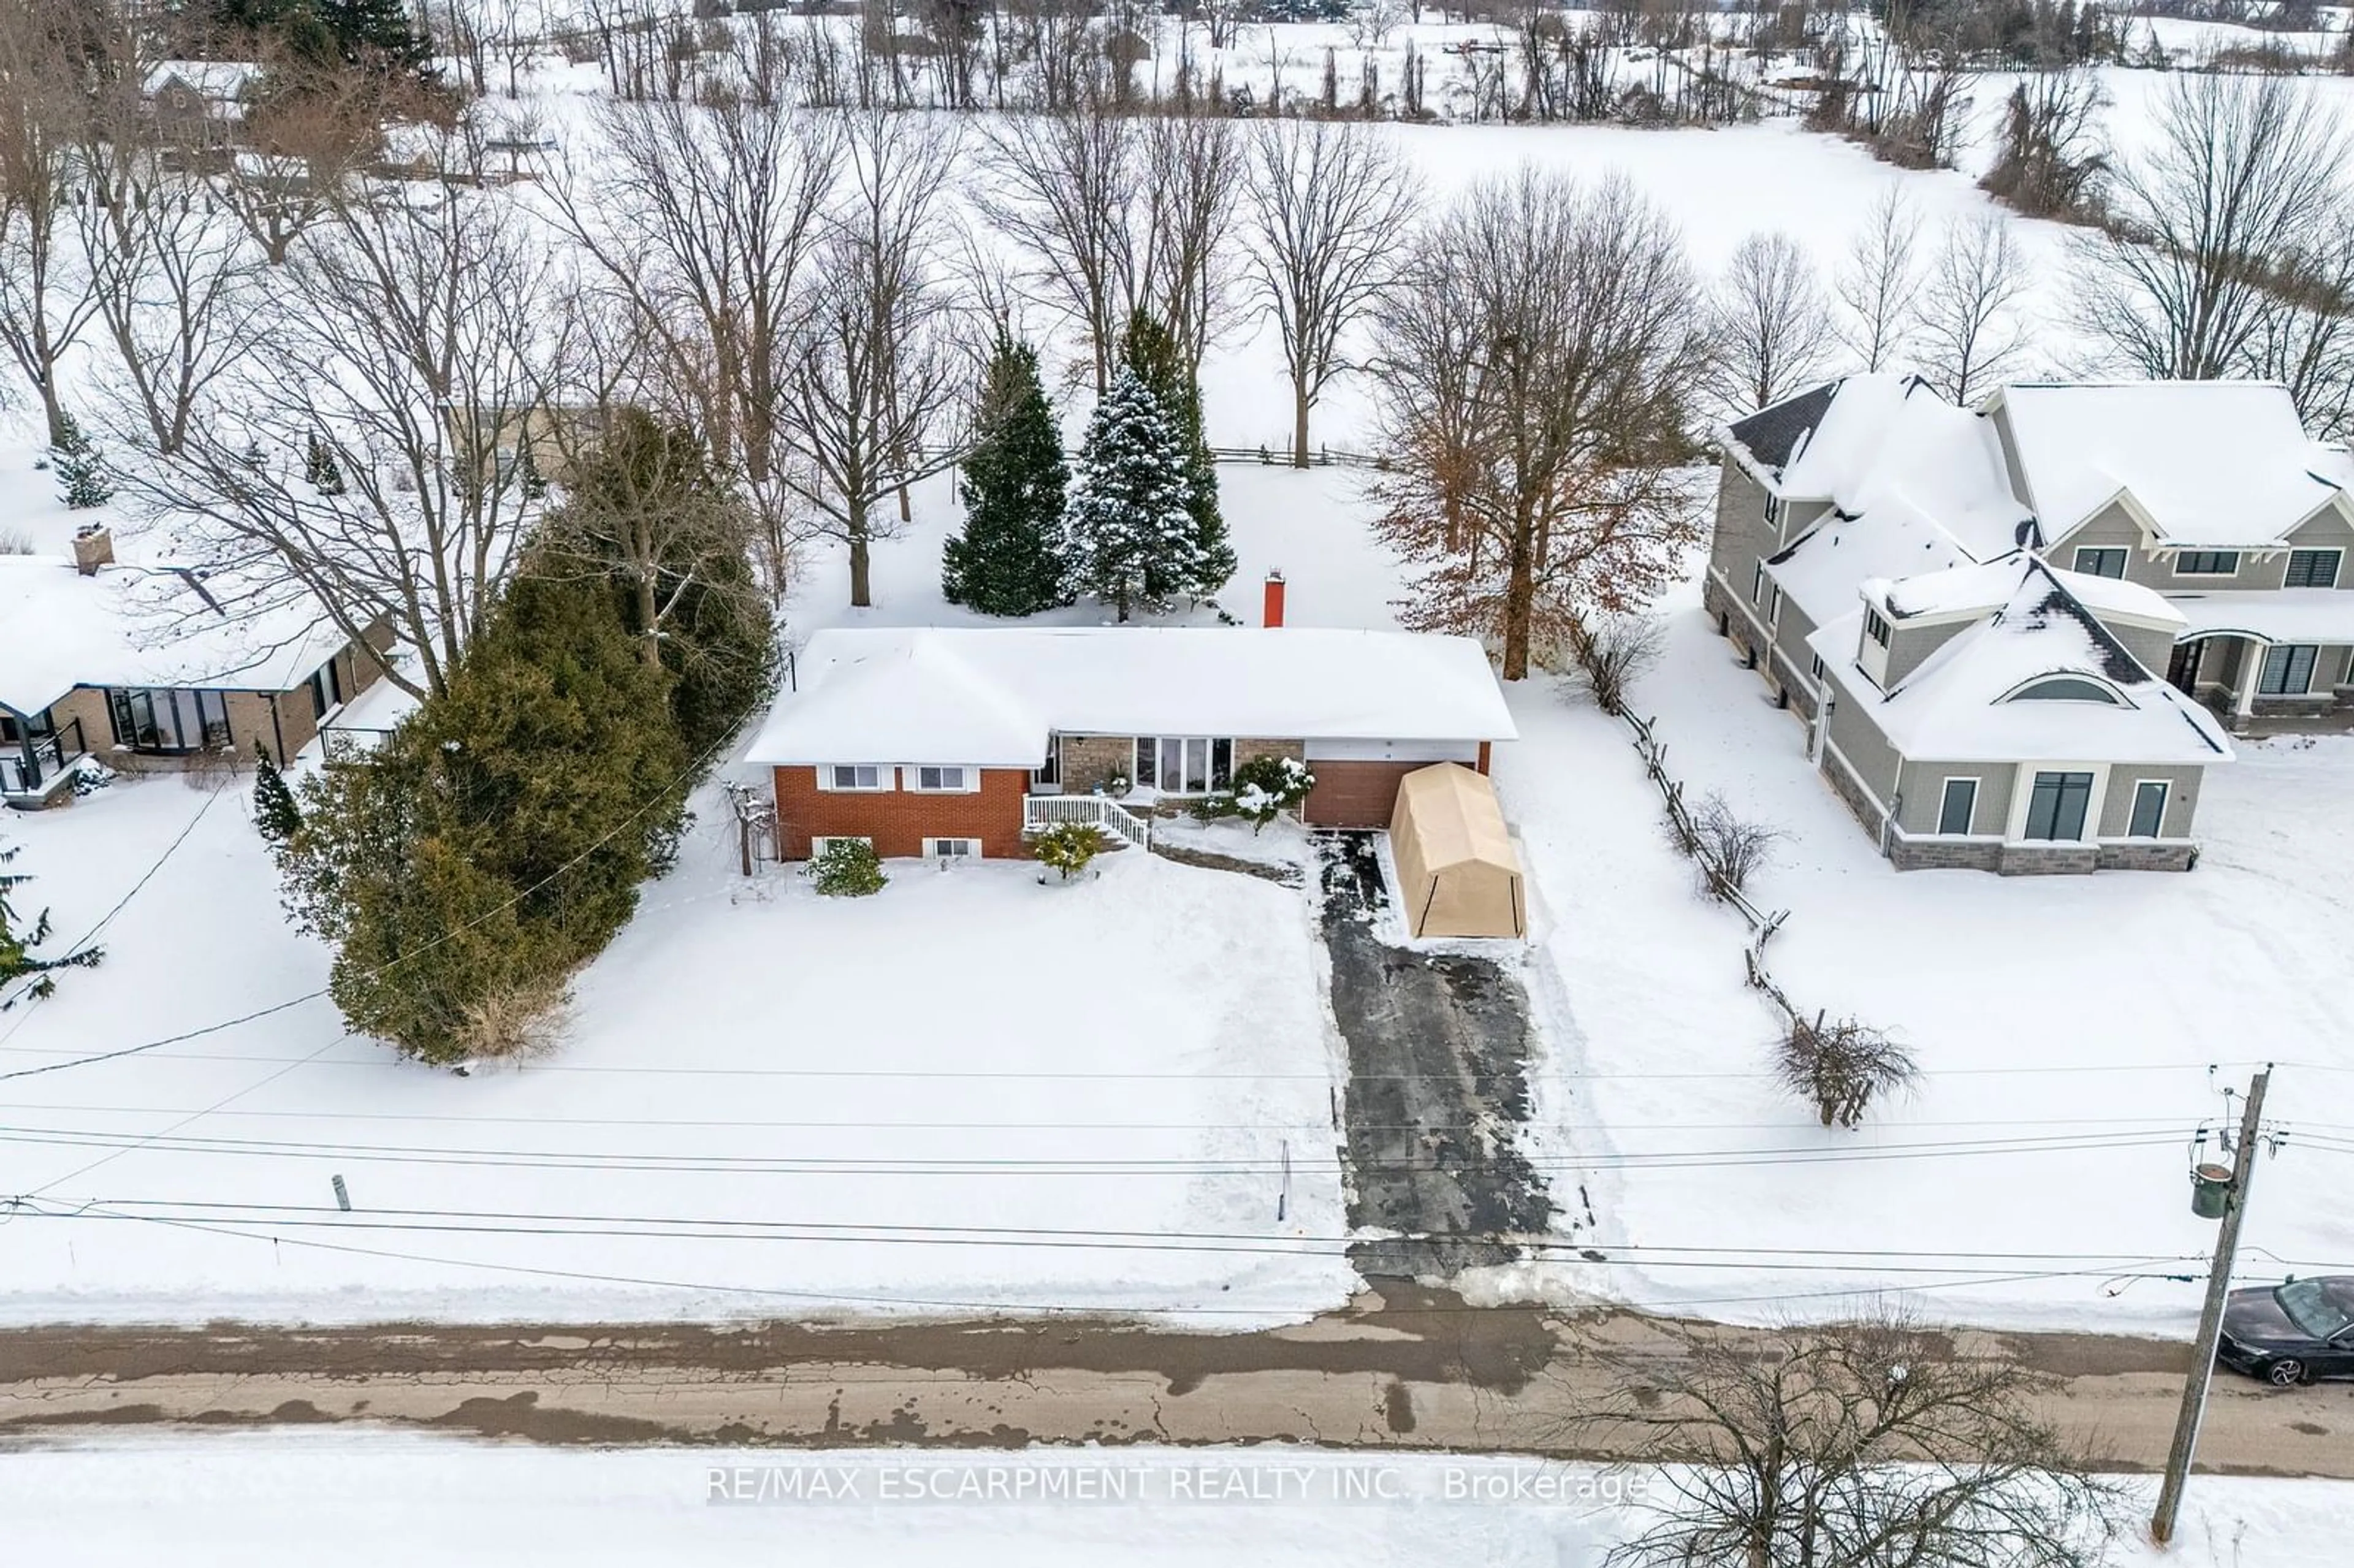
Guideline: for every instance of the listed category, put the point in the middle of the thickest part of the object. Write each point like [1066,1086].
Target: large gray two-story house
[2018,634]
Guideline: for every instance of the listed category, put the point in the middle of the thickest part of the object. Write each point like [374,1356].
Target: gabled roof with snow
[1915,485]
[2277,615]
[1963,590]
[990,697]
[143,626]
[214,79]
[2201,464]
[1958,706]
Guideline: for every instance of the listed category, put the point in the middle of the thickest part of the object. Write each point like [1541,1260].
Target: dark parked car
[2291,1333]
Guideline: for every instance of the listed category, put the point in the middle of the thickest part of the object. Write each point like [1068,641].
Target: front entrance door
[2182,670]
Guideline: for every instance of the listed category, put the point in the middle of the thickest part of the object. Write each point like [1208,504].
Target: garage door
[1354,794]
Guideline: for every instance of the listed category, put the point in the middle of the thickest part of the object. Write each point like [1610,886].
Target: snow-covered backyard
[260,1501]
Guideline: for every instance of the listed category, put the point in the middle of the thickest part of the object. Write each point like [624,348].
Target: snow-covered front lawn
[2064,1025]
[969,1090]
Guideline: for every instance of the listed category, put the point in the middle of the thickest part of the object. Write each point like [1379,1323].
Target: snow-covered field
[263,1502]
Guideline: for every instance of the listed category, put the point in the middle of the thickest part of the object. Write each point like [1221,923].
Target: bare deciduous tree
[412,348]
[1970,325]
[170,272]
[1848,1445]
[1770,326]
[1192,173]
[1535,354]
[702,215]
[1841,1067]
[1879,282]
[2243,172]
[1330,210]
[1067,186]
[46,289]
[876,367]
[2052,157]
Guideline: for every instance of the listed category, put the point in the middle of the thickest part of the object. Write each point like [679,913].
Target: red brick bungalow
[954,741]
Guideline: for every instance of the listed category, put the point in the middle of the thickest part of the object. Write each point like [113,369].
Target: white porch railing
[1040,811]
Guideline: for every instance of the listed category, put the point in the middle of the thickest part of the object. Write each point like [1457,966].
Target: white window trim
[911,778]
[2237,556]
[820,843]
[932,850]
[885,779]
[1757,582]
[1944,785]
[2312,668]
[2164,804]
[2022,795]
[2337,570]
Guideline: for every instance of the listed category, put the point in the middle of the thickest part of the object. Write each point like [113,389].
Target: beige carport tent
[1457,876]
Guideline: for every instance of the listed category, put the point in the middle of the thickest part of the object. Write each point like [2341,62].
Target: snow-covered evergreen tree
[1128,537]
[320,469]
[1007,561]
[275,812]
[1150,349]
[16,959]
[82,480]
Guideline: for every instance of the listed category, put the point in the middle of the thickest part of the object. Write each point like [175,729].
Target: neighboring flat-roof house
[141,668]
[1985,682]
[959,741]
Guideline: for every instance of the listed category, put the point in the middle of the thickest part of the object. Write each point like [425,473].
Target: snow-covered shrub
[1267,787]
[848,868]
[16,542]
[91,775]
[1118,784]
[1068,847]
[1841,1067]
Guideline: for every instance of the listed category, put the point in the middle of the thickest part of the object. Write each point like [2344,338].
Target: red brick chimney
[1272,614]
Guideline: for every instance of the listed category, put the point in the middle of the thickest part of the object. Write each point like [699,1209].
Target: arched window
[2065,689]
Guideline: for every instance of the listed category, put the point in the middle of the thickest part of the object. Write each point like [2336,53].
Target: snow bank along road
[1417,1368]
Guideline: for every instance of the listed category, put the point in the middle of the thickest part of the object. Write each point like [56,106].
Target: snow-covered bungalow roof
[1963,703]
[2199,464]
[143,626]
[991,696]
[1915,485]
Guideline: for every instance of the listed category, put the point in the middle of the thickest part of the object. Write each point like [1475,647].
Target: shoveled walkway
[1438,1048]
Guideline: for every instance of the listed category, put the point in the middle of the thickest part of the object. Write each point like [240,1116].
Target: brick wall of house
[899,821]
[1246,747]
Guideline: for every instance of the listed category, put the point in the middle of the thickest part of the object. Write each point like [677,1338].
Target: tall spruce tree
[1151,351]
[16,959]
[275,814]
[1007,560]
[1127,535]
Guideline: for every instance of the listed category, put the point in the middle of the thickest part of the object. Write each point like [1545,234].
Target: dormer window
[2065,689]
[2206,563]
[1876,628]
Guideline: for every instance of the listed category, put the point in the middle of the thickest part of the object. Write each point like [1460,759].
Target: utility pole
[2211,1318]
